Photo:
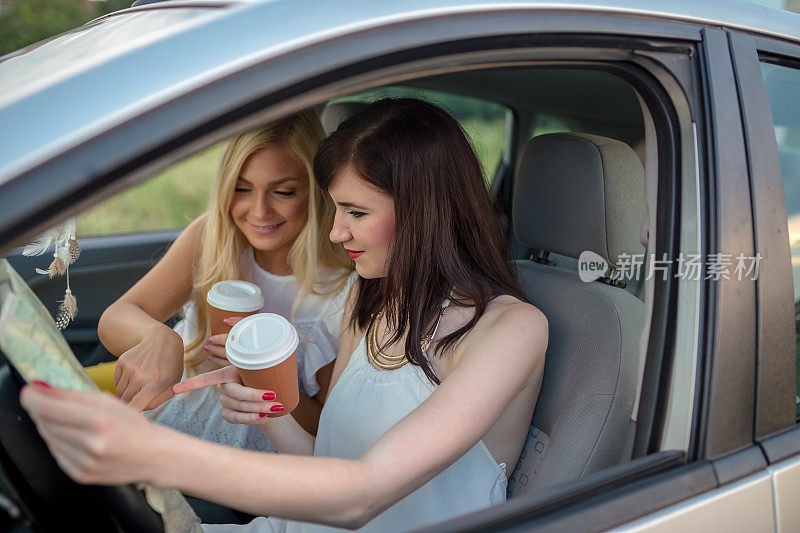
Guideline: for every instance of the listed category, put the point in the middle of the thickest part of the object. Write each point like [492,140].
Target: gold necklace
[397,361]
[374,349]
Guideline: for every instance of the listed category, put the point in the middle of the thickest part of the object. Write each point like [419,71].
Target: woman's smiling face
[270,205]
[364,222]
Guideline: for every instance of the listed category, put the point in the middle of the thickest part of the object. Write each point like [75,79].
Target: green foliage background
[25,22]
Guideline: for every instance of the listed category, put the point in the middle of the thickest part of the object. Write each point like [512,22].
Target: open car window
[485,122]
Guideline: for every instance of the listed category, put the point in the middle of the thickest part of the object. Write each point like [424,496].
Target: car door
[724,482]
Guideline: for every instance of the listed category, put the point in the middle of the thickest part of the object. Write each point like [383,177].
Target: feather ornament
[74,250]
[70,229]
[66,251]
[42,244]
[67,310]
[62,252]
[57,268]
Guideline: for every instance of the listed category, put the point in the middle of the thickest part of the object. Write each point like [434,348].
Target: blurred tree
[24,22]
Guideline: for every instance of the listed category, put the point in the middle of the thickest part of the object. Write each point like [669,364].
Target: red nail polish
[42,383]
[276,408]
[262,415]
[228,321]
[268,396]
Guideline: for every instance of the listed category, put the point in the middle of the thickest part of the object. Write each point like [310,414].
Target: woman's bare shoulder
[194,231]
[506,311]
[189,243]
[519,327]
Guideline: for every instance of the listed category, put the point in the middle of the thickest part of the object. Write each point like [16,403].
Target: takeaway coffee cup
[263,347]
[229,299]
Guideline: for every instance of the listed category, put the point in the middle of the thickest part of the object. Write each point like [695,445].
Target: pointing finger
[229,374]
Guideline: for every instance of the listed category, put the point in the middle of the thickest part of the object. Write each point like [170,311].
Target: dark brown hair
[447,236]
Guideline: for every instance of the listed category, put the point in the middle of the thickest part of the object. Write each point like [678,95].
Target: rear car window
[783,90]
[485,122]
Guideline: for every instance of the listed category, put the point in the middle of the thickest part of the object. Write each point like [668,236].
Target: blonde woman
[267,222]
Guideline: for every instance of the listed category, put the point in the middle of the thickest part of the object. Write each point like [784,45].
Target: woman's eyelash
[282,193]
[356,214]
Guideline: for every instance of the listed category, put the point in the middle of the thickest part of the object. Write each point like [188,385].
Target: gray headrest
[576,192]
[335,112]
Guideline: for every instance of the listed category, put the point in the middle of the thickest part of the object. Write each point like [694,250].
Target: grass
[178,195]
[169,200]
[487,139]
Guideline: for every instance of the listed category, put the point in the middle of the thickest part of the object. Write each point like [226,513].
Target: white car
[645,157]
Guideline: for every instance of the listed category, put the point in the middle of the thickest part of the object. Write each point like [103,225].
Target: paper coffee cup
[232,298]
[263,347]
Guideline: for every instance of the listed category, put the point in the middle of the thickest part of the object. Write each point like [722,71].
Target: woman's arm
[106,442]
[150,353]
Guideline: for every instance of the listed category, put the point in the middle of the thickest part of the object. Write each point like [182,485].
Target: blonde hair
[223,244]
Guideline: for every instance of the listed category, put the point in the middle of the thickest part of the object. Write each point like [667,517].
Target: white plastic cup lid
[261,341]
[238,296]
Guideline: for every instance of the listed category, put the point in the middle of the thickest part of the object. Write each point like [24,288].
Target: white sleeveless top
[318,320]
[361,407]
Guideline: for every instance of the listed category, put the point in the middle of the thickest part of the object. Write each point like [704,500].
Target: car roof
[60,92]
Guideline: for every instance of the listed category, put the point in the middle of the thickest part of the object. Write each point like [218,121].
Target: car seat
[576,192]
[335,112]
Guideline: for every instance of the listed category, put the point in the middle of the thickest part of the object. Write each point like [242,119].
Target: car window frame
[775,305]
[779,439]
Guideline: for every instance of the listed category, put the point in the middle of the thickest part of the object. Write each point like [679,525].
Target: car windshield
[88,45]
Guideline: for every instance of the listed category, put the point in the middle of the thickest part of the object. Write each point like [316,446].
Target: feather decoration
[57,268]
[42,244]
[70,229]
[74,250]
[62,252]
[60,261]
[67,310]
[66,251]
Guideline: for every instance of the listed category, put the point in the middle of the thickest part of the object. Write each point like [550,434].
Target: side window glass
[545,123]
[783,90]
[170,200]
[484,122]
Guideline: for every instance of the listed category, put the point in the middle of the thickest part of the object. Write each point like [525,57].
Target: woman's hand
[146,373]
[215,345]
[240,404]
[95,438]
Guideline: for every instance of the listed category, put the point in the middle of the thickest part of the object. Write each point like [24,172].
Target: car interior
[563,151]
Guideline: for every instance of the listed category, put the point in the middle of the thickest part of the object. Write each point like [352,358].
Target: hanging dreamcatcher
[66,251]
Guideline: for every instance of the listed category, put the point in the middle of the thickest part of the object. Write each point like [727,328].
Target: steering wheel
[50,499]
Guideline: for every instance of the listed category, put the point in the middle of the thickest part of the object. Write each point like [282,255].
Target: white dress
[361,407]
[318,320]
